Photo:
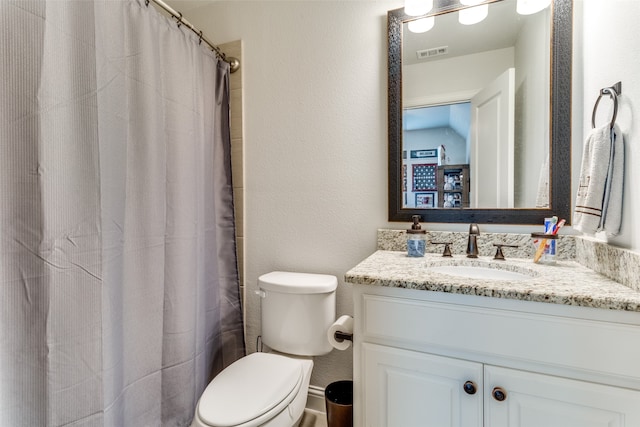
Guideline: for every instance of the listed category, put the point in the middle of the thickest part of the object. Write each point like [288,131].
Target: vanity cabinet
[437,359]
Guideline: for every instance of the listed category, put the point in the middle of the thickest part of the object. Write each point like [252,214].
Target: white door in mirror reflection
[492,144]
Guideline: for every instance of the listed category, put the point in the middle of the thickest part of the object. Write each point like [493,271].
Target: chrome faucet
[472,244]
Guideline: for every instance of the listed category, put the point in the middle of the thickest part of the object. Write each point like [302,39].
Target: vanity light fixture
[529,7]
[417,7]
[421,25]
[472,15]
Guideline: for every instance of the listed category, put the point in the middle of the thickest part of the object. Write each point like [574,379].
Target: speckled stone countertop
[566,282]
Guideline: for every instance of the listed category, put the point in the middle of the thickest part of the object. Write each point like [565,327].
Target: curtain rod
[233,62]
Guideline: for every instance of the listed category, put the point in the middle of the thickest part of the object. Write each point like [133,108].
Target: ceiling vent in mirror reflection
[430,53]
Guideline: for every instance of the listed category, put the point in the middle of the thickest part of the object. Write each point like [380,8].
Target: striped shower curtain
[119,293]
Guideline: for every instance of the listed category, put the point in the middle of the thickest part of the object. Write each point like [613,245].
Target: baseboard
[315,399]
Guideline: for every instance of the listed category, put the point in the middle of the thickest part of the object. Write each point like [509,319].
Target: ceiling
[498,30]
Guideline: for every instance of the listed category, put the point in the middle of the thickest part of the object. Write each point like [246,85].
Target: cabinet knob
[499,394]
[470,387]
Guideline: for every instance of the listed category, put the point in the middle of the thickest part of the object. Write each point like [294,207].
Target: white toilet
[270,389]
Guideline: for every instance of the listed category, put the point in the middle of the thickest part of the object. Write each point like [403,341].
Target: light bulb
[529,7]
[421,25]
[417,7]
[473,15]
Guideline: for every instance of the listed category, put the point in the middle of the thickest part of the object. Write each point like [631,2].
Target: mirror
[452,152]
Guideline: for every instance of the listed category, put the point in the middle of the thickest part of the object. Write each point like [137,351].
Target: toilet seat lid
[249,388]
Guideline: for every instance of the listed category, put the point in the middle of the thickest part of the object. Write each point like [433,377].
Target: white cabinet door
[404,388]
[537,400]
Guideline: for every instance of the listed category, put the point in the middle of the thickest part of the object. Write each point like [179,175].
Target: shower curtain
[119,293]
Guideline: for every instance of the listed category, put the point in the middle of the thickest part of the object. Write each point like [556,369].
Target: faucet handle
[499,254]
[447,248]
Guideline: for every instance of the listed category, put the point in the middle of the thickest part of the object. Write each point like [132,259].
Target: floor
[313,418]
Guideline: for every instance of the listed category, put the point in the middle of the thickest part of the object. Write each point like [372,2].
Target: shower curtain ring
[179,19]
[200,38]
[146,3]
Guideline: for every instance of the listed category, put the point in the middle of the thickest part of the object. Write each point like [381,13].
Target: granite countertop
[566,282]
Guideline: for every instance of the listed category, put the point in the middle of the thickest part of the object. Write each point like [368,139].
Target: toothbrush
[558,226]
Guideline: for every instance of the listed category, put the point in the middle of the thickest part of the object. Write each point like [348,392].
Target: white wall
[315,123]
[316,130]
[608,49]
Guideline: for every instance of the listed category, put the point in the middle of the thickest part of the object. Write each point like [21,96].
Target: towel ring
[613,92]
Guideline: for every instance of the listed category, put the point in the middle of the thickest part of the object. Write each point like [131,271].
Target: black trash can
[338,398]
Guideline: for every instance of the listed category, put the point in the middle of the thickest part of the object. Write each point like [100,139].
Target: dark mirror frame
[560,123]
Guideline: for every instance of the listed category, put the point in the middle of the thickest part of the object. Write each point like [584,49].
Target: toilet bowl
[270,389]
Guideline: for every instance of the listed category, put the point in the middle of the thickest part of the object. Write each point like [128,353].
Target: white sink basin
[482,270]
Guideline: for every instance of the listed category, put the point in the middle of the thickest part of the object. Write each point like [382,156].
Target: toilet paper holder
[341,336]
[340,333]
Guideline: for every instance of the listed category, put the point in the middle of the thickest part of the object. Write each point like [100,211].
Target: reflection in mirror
[434,138]
[507,148]
[469,111]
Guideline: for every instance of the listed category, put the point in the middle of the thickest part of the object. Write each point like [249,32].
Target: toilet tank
[297,310]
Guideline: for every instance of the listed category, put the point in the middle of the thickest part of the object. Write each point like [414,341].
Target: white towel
[599,199]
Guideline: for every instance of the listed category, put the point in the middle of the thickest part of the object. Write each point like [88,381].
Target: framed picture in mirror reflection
[424,176]
[425,200]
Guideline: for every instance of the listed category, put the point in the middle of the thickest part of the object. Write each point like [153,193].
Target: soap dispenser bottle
[416,238]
